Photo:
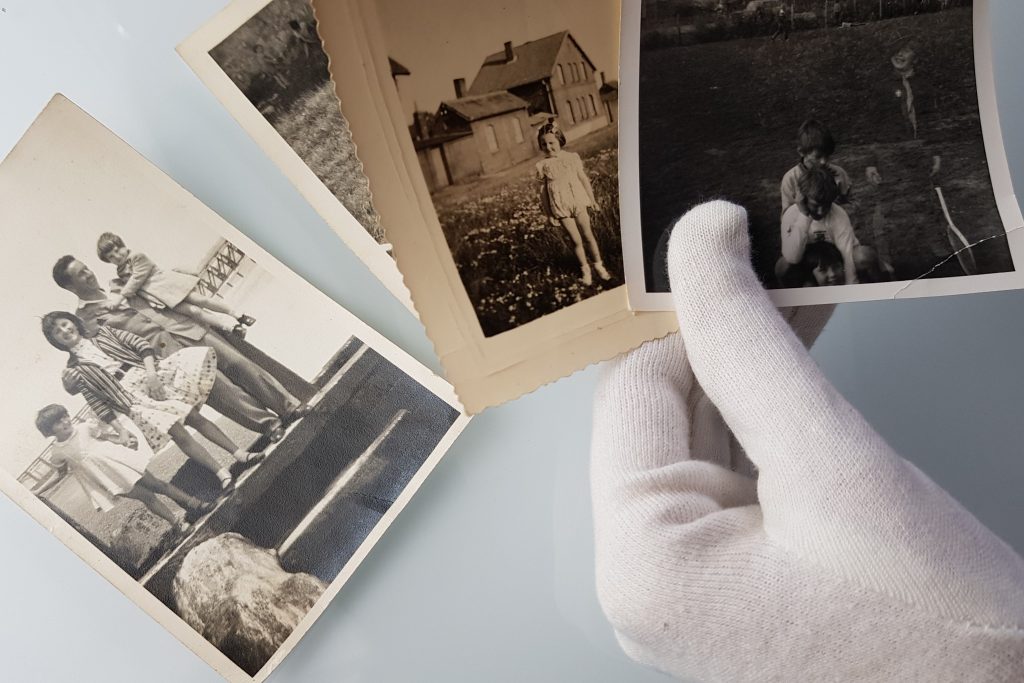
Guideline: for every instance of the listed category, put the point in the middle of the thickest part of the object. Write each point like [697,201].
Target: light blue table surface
[488,573]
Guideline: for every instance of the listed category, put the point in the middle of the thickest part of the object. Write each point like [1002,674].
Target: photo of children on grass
[514,126]
[856,127]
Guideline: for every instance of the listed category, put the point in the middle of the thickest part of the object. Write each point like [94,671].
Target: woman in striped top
[118,373]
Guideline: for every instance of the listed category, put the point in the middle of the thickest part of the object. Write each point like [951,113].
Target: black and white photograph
[852,133]
[514,127]
[263,59]
[211,428]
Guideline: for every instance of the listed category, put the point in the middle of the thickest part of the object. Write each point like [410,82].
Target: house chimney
[510,56]
[460,88]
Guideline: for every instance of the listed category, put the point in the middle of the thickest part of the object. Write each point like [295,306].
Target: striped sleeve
[132,341]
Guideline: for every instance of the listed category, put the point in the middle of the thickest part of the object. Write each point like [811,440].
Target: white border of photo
[195,50]
[1009,209]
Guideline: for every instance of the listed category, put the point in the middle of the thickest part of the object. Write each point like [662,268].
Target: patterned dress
[103,469]
[109,371]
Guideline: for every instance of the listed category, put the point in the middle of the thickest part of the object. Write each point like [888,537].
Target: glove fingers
[830,488]
[640,414]
[748,360]
[644,412]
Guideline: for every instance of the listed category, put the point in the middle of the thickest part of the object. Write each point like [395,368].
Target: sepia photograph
[515,133]
[264,62]
[219,439]
[504,247]
[852,133]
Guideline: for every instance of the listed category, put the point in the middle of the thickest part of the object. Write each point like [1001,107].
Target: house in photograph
[555,77]
[610,98]
[473,135]
[491,126]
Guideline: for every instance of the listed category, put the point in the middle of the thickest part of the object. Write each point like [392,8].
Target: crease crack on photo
[955,254]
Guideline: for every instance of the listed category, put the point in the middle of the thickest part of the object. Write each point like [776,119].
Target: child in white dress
[109,461]
[138,275]
[567,197]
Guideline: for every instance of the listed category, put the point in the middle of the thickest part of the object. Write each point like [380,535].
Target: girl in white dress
[109,461]
[567,197]
[138,275]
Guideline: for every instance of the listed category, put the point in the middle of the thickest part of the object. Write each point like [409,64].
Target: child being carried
[137,275]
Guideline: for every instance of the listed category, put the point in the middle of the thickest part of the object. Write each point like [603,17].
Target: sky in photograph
[441,40]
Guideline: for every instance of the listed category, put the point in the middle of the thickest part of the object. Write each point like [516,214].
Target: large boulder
[138,538]
[237,595]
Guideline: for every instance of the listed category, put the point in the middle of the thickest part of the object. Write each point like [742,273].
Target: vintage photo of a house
[520,157]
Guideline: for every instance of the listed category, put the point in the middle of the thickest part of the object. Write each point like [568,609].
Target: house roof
[533,61]
[397,69]
[476,107]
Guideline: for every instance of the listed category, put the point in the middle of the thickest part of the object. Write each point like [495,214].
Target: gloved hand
[841,562]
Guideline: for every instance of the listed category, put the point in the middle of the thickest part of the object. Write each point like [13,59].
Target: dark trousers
[235,404]
[296,385]
[250,377]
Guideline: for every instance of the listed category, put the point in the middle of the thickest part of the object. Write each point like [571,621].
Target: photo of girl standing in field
[514,130]
[567,197]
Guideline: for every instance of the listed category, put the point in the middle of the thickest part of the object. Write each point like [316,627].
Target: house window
[572,111]
[583,70]
[517,130]
[593,105]
[575,74]
[492,139]
[561,75]
[584,112]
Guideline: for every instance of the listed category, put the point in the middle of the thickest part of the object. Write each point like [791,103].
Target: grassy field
[691,152]
[314,127]
[515,266]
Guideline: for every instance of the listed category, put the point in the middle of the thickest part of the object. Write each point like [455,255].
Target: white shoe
[602,272]
[587,278]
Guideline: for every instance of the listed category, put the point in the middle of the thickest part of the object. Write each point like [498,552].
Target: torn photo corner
[189,410]
[262,59]
[494,166]
[862,138]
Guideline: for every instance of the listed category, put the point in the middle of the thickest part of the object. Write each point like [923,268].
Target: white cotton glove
[842,562]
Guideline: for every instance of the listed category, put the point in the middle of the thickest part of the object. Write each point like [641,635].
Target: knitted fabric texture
[840,562]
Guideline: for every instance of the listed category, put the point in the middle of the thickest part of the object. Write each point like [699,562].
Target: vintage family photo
[228,437]
[514,126]
[850,131]
[263,59]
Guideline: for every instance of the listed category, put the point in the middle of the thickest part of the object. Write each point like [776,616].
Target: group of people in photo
[567,198]
[146,354]
[824,220]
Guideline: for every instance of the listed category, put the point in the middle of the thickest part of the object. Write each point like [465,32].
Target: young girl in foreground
[567,196]
[138,275]
[108,461]
[118,374]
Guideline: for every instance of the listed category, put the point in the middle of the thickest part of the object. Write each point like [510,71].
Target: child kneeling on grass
[106,462]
